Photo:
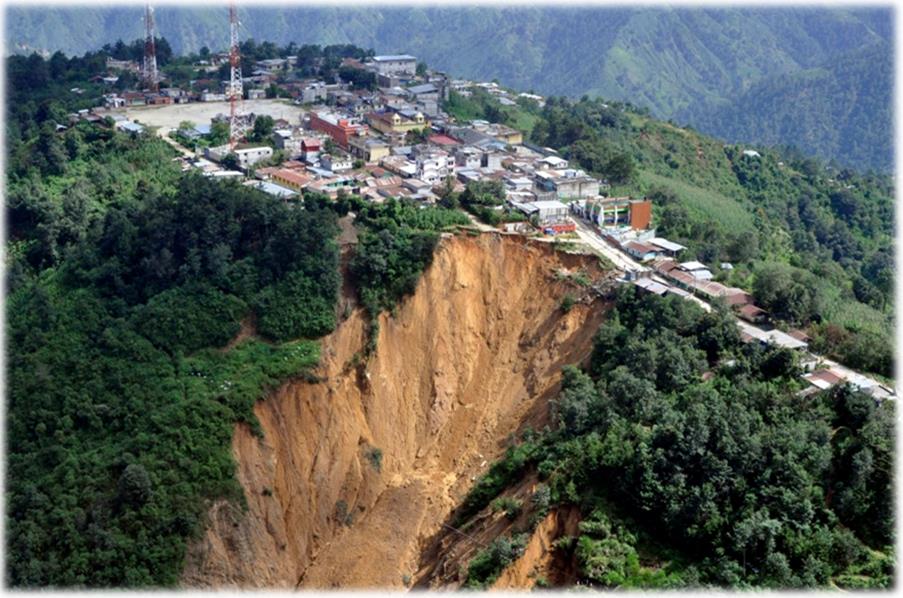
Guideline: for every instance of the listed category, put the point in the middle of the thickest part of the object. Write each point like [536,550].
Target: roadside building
[543,212]
[666,247]
[752,313]
[612,212]
[640,251]
[568,184]
[651,286]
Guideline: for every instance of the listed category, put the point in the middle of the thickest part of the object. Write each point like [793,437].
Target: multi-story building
[289,141]
[433,167]
[336,162]
[468,157]
[567,184]
[616,211]
[368,149]
[341,129]
[398,123]
[394,64]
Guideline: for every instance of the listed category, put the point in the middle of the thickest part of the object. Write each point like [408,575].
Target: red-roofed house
[443,140]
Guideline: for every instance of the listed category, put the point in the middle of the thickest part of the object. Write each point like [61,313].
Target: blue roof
[274,189]
[392,57]
[131,127]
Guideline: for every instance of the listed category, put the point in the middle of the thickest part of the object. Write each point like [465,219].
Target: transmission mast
[149,70]
[238,121]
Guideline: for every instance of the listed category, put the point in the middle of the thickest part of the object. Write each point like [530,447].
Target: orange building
[640,214]
[340,129]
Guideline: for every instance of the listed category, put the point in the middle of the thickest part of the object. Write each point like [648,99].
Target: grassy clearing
[704,203]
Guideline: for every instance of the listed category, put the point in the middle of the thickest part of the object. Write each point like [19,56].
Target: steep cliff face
[356,472]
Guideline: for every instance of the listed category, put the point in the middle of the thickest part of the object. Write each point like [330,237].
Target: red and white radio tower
[238,122]
[149,71]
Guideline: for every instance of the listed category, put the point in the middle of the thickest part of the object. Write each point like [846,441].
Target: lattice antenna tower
[238,120]
[149,73]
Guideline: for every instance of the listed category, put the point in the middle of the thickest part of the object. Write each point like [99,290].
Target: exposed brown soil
[472,357]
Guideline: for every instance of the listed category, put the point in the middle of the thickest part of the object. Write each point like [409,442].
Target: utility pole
[238,121]
[149,73]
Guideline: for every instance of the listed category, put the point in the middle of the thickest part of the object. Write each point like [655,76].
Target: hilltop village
[381,131]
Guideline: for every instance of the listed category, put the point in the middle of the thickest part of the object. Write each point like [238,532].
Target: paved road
[621,260]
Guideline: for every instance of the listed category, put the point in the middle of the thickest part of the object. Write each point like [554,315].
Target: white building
[395,64]
[336,163]
[247,156]
[434,167]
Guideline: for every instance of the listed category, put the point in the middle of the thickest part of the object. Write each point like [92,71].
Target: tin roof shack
[752,313]
[272,189]
[666,247]
[651,286]
[823,379]
[640,251]
[697,270]
[130,127]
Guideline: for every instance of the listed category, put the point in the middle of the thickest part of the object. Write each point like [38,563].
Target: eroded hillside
[357,471]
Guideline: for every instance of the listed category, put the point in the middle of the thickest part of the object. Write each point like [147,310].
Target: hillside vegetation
[815,78]
[723,480]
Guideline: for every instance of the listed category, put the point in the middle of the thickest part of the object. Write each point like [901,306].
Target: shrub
[509,505]
[486,566]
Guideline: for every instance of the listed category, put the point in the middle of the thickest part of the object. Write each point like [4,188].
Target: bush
[187,318]
[294,308]
[486,566]
[509,505]
[567,303]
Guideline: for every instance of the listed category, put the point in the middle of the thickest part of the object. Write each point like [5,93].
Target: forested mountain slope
[705,67]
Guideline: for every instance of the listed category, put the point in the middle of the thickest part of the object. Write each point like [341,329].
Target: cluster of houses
[396,141]
[692,279]
[374,155]
[506,98]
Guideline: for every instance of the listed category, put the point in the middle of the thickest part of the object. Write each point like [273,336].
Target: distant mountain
[816,78]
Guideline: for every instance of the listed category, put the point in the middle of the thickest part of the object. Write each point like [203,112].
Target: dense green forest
[120,407]
[694,462]
[817,78]
[813,243]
